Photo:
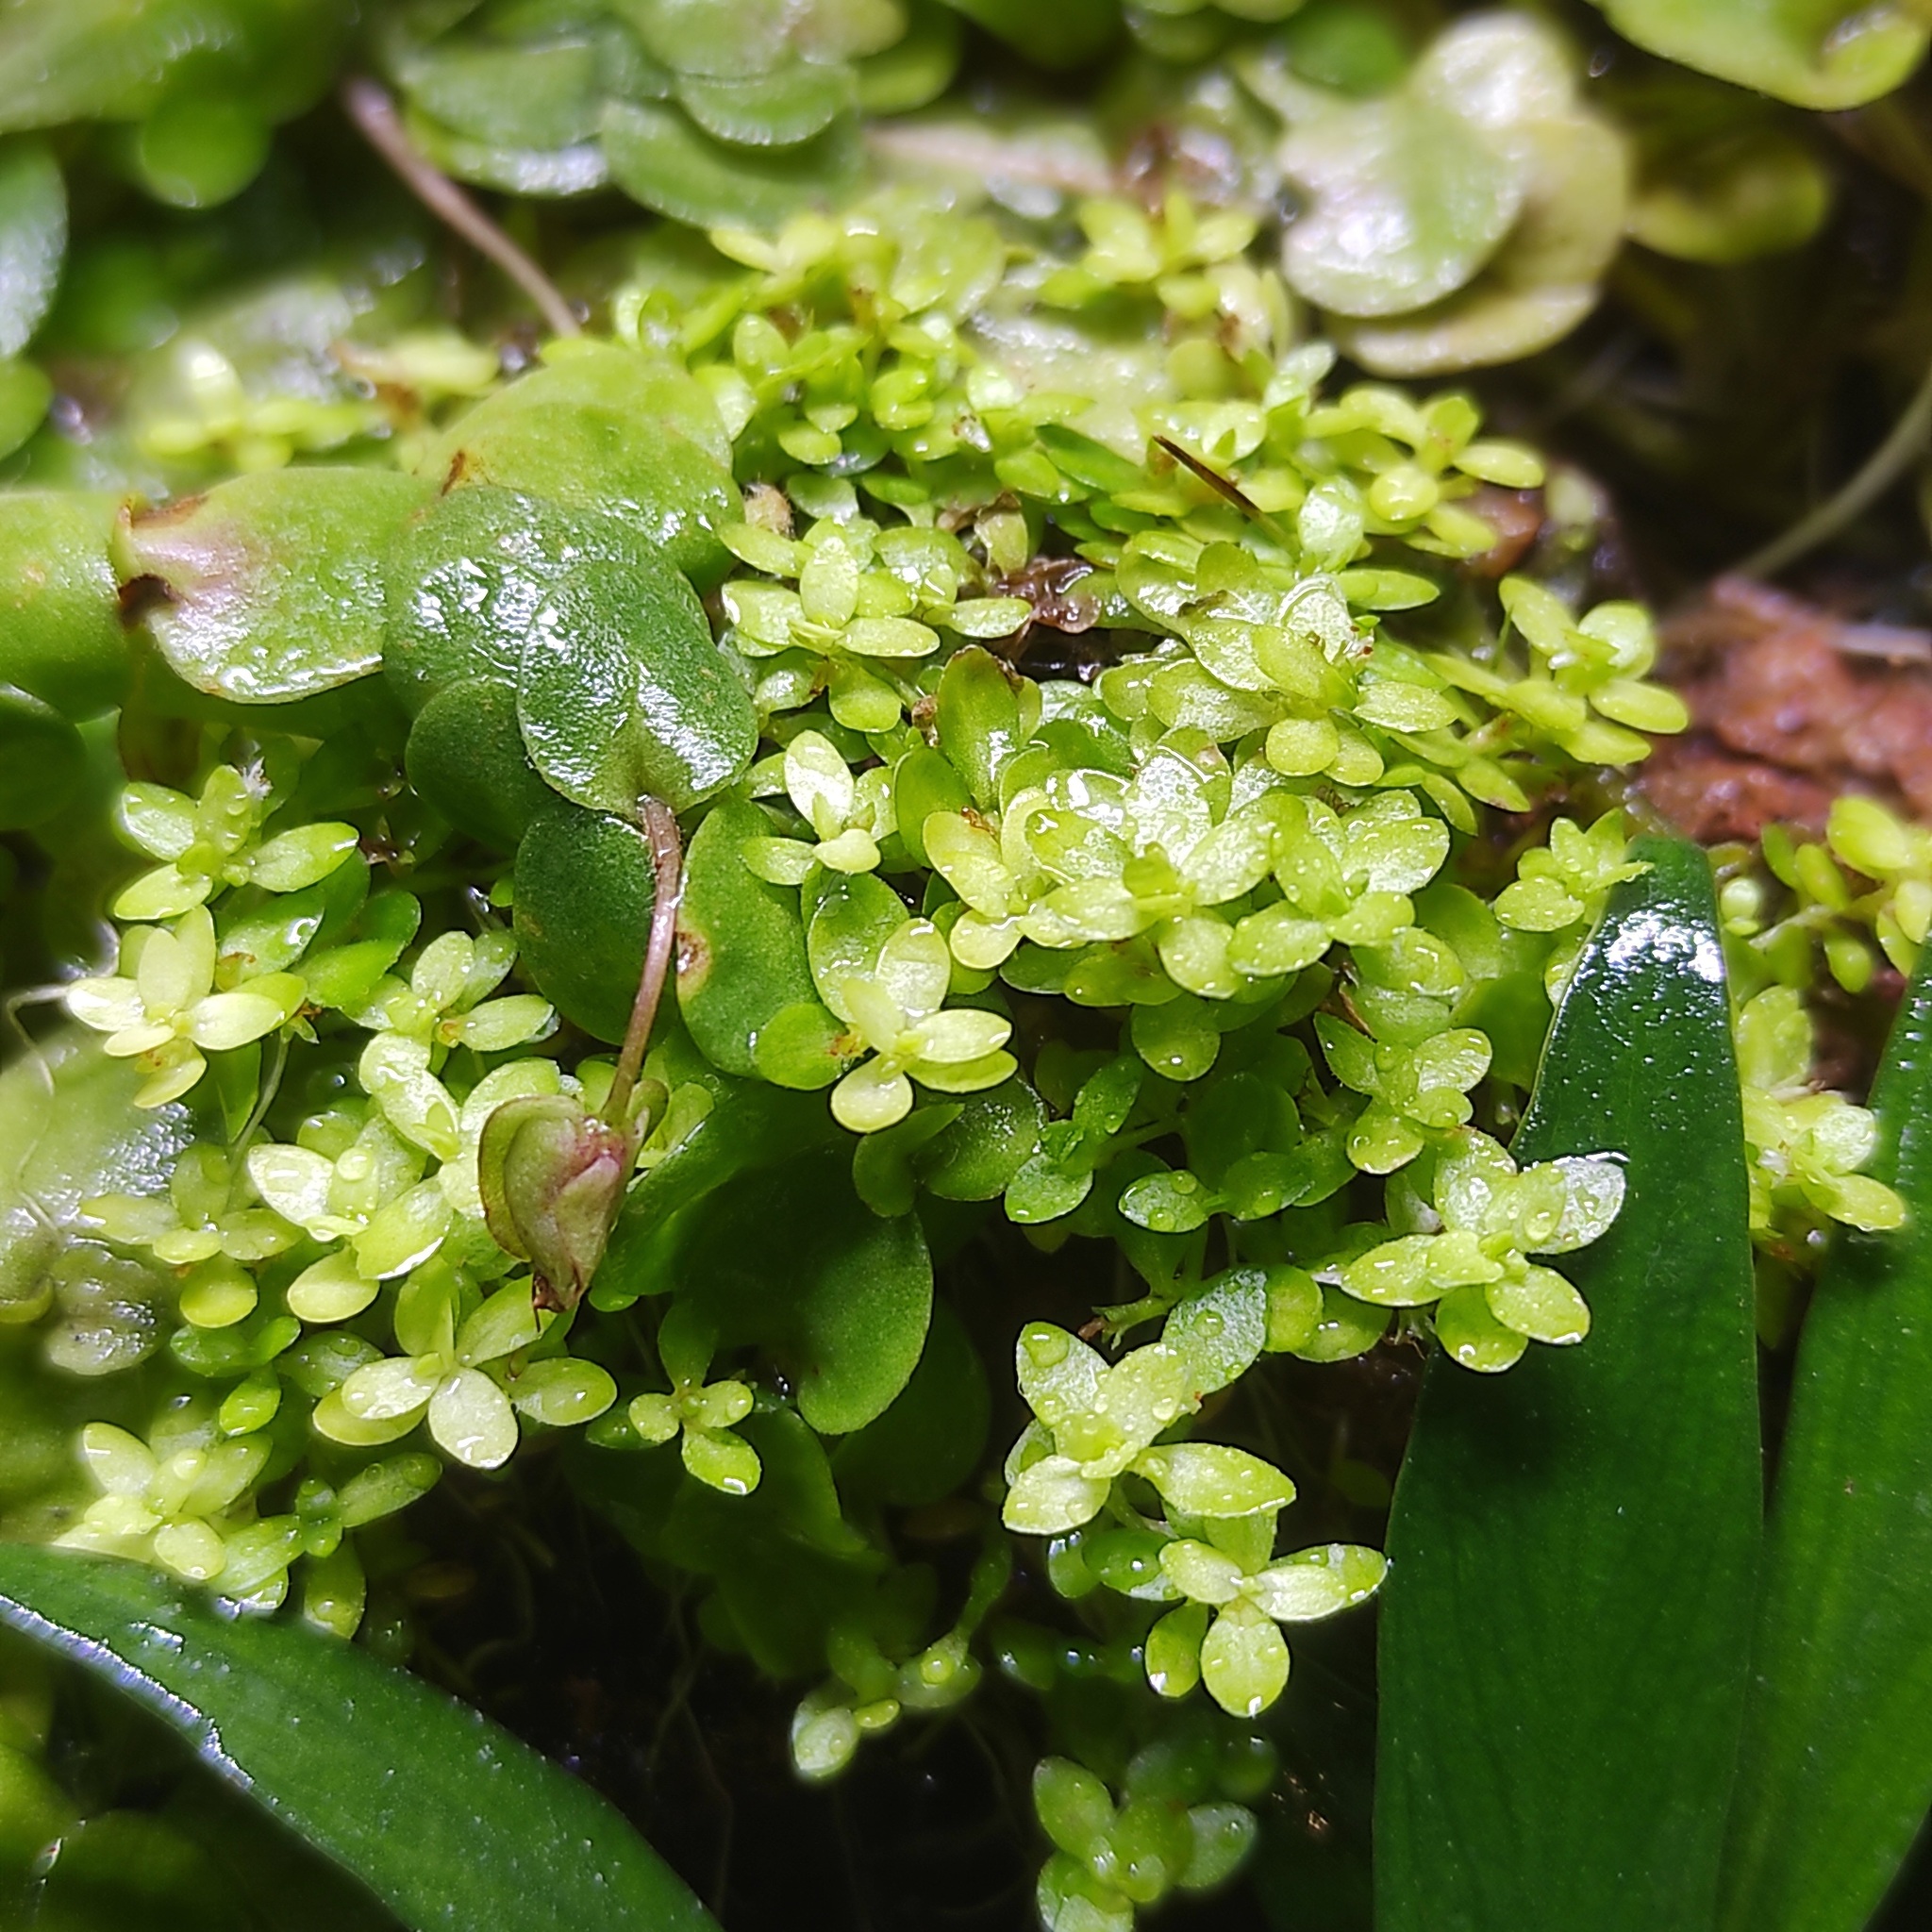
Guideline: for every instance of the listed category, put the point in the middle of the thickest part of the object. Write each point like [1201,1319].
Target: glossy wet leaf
[68,1133]
[584,891]
[271,587]
[33,239]
[1408,201]
[1559,1712]
[447,1818]
[1836,1772]
[741,956]
[466,576]
[622,695]
[1541,283]
[1814,52]
[604,429]
[61,634]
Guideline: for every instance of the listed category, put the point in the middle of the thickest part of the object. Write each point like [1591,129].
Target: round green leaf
[269,587]
[741,951]
[777,110]
[600,428]
[1826,54]
[466,576]
[584,892]
[41,758]
[661,158]
[25,394]
[198,150]
[1408,199]
[623,695]
[793,1261]
[466,757]
[60,632]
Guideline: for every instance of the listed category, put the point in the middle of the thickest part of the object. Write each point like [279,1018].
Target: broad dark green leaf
[605,428]
[269,587]
[60,636]
[466,757]
[41,758]
[793,1261]
[447,1818]
[466,574]
[1574,1543]
[585,888]
[740,953]
[623,695]
[1836,1772]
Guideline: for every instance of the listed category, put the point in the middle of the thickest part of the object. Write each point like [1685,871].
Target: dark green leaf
[1063,35]
[466,757]
[41,758]
[1836,1774]
[741,952]
[605,428]
[623,694]
[60,636]
[658,156]
[930,1441]
[269,587]
[794,1261]
[449,1820]
[585,887]
[1574,1543]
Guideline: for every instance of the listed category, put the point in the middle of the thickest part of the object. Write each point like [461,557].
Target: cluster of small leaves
[705,110]
[1860,896]
[1194,944]
[1177,1825]
[338,1286]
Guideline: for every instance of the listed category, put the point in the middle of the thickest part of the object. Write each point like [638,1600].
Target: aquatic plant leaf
[1530,1648]
[447,1817]
[1836,1772]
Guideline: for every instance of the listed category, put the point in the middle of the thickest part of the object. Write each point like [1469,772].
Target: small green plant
[872,905]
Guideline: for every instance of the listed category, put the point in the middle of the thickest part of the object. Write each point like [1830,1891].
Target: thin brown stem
[667,863]
[375,113]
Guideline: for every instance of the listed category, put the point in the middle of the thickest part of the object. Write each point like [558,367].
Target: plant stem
[1863,487]
[667,861]
[375,113]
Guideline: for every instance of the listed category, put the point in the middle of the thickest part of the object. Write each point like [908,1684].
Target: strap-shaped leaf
[1574,1543]
[1836,1774]
[448,1819]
